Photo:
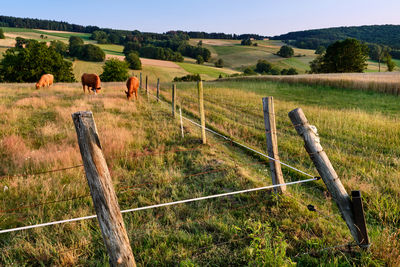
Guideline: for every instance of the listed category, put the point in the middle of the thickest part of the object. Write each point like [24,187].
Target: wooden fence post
[359,219]
[325,168]
[173,102]
[158,89]
[102,191]
[140,82]
[147,88]
[201,108]
[180,113]
[272,144]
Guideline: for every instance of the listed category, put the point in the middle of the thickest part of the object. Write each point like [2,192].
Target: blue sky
[234,16]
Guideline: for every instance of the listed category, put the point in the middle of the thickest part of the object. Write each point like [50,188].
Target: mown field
[151,163]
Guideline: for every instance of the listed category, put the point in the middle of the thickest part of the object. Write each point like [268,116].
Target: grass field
[205,72]
[383,82]
[151,163]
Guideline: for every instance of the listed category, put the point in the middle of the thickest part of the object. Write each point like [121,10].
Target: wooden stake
[173,99]
[201,108]
[147,88]
[180,113]
[158,89]
[102,191]
[325,168]
[140,82]
[359,219]
[272,144]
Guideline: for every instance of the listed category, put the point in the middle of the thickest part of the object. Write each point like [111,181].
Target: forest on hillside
[388,35]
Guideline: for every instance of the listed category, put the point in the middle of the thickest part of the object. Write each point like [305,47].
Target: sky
[266,17]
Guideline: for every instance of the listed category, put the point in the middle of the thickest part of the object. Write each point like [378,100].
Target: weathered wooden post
[173,99]
[359,219]
[102,191]
[272,144]
[158,89]
[147,88]
[180,114]
[201,109]
[140,82]
[324,167]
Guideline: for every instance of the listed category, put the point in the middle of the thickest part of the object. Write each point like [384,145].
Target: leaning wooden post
[102,191]
[272,144]
[173,102]
[324,167]
[140,82]
[201,108]
[180,114]
[359,219]
[147,88]
[158,89]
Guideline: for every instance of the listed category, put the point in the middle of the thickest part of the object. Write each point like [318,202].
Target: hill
[379,34]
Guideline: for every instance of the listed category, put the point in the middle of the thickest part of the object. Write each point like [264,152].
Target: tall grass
[142,143]
[387,82]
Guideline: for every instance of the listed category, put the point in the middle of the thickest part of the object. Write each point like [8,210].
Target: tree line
[386,35]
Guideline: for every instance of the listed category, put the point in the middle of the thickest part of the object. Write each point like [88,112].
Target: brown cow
[92,81]
[45,80]
[132,84]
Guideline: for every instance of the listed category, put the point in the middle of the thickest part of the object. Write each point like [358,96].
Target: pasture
[151,163]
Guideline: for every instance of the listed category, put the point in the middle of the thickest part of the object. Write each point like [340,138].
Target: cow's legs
[136,94]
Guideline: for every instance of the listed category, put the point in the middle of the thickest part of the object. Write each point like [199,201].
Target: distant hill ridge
[379,34]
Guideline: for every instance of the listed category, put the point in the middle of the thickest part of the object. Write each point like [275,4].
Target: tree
[131,47]
[60,47]
[285,51]
[245,42]
[219,63]
[199,60]
[320,50]
[263,66]
[91,52]
[30,63]
[133,61]
[75,45]
[2,34]
[389,62]
[200,43]
[249,71]
[114,70]
[342,56]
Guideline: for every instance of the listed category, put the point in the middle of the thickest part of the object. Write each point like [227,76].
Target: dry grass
[384,82]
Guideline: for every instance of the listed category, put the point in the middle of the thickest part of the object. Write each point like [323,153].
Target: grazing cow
[45,80]
[132,84]
[92,81]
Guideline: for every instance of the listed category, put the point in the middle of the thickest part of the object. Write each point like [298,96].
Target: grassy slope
[206,72]
[37,134]
[352,126]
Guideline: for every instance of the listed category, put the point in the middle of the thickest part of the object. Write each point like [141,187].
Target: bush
[263,66]
[131,47]
[133,61]
[249,71]
[246,42]
[199,60]
[188,78]
[291,71]
[2,34]
[75,44]
[60,47]
[30,63]
[91,52]
[114,70]
[286,51]
[219,63]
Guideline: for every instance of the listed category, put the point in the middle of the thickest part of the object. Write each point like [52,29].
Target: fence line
[240,144]
[159,205]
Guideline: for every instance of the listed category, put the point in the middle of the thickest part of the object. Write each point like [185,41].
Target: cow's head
[37,86]
[128,95]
